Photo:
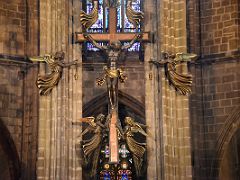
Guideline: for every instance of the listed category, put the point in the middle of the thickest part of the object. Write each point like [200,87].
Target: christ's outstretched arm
[91,40]
[136,38]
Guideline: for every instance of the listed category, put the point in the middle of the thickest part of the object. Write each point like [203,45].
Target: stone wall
[19,27]
[18,111]
[214,36]
[4,166]
[216,94]
[213,27]
[11,102]
[18,92]
[220,26]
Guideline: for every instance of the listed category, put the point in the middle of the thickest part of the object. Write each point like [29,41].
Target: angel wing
[46,83]
[88,20]
[91,147]
[135,126]
[184,57]
[46,58]
[37,59]
[181,82]
[138,129]
[134,17]
[137,149]
[91,124]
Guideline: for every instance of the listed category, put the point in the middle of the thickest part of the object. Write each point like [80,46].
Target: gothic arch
[227,131]
[95,106]
[10,150]
[126,103]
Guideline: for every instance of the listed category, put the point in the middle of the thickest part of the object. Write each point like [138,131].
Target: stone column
[167,112]
[174,107]
[152,94]
[58,153]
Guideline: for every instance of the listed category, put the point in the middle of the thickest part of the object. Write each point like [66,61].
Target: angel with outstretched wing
[181,82]
[137,149]
[91,147]
[88,20]
[45,83]
[134,17]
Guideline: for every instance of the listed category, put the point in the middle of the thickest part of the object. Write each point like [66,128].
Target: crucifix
[112,52]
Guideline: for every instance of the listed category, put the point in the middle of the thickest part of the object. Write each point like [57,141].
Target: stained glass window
[123,25]
[121,171]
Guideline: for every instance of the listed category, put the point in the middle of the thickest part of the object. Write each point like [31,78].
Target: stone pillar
[167,112]
[152,94]
[58,152]
[174,107]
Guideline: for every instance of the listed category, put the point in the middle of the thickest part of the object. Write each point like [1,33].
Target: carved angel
[91,147]
[45,83]
[88,20]
[181,82]
[137,149]
[134,17]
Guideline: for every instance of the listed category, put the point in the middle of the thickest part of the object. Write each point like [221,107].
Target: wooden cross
[112,36]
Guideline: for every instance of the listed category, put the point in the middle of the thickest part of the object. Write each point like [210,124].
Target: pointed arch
[10,150]
[228,130]
[95,106]
[128,106]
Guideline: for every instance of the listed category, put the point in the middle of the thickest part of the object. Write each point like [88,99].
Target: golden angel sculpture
[181,82]
[137,149]
[88,20]
[134,17]
[46,83]
[97,127]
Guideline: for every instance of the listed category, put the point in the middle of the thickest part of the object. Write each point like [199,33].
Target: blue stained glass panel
[107,176]
[124,176]
[119,19]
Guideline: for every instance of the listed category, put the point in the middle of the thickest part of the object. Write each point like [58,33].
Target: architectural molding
[218,58]
[14,59]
